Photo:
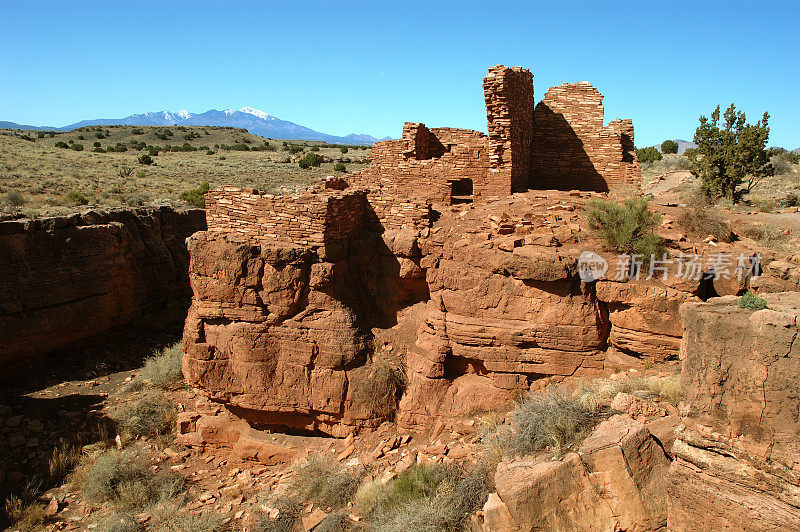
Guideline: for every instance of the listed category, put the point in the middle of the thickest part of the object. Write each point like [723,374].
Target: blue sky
[350,67]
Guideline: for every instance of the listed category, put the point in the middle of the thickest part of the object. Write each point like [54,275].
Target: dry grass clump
[379,390]
[169,517]
[325,482]
[701,219]
[770,237]
[424,498]
[64,459]
[553,420]
[152,415]
[124,479]
[25,517]
[599,393]
[163,369]
[286,521]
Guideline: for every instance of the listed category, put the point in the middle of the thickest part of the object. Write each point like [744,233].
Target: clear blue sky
[345,67]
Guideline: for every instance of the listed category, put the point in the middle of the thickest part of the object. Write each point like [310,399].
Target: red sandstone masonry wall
[424,163]
[508,93]
[571,147]
[310,218]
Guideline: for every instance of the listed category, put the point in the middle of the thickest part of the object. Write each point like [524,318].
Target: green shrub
[196,196]
[343,149]
[77,147]
[751,301]
[339,167]
[96,144]
[324,482]
[14,199]
[152,415]
[145,159]
[141,174]
[648,155]
[627,227]
[98,150]
[76,198]
[310,159]
[314,148]
[124,479]
[137,131]
[553,420]
[378,390]
[293,148]
[99,135]
[152,151]
[81,137]
[210,152]
[163,369]
[62,144]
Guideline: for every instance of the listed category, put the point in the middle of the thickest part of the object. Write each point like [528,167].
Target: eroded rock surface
[614,481]
[737,454]
[65,279]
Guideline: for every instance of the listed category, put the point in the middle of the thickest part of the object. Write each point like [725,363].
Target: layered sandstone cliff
[69,278]
[737,454]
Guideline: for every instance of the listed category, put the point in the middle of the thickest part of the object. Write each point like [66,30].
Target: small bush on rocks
[627,227]
[124,479]
[286,521]
[553,420]
[163,369]
[196,196]
[751,301]
[324,482]
[152,416]
[380,389]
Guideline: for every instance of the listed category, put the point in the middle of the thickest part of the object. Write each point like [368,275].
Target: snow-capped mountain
[254,120]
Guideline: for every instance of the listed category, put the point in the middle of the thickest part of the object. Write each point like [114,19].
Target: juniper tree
[731,153]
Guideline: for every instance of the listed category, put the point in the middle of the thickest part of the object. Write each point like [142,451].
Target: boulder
[614,481]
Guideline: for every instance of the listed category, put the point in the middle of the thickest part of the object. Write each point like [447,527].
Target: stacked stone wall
[311,218]
[508,93]
[424,164]
[571,147]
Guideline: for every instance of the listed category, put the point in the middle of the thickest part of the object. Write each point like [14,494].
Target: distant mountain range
[683,145]
[255,121]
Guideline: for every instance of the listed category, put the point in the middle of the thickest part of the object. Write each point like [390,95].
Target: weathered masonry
[561,144]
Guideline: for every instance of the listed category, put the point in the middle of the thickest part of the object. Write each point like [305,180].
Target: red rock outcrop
[290,292]
[280,324]
[737,453]
[614,481]
[69,278]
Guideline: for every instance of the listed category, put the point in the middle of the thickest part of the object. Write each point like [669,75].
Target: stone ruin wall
[424,163]
[572,148]
[508,93]
[302,219]
[312,218]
